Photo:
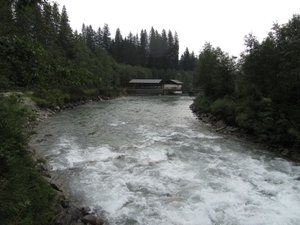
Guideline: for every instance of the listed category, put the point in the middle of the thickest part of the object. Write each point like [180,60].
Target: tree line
[73,64]
[260,91]
[156,50]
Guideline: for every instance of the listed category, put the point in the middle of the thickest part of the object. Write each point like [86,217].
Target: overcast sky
[223,23]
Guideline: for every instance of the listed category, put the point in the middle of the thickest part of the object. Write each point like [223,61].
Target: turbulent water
[149,160]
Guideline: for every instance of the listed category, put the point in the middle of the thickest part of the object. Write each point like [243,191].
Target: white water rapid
[149,161]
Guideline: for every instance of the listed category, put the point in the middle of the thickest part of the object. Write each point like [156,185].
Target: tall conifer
[106,39]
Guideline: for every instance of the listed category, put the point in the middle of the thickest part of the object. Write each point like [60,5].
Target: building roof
[145,81]
[153,81]
[175,81]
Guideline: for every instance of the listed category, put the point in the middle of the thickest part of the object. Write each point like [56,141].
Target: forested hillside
[259,92]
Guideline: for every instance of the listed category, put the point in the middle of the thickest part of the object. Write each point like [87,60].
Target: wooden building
[154,87]
[172,87]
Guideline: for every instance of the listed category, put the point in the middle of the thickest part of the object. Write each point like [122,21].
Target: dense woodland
[44,58]
[260,91]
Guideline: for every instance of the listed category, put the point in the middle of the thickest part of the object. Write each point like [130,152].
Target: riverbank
[218,126]
[65,211]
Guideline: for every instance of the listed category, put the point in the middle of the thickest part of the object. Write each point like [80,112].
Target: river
[149,160]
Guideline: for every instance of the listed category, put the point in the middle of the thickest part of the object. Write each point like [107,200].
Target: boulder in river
[92,219]
[285,152]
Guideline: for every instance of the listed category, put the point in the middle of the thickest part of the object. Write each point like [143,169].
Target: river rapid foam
[148,160]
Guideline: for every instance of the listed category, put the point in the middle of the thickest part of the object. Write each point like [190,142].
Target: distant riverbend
[149,160]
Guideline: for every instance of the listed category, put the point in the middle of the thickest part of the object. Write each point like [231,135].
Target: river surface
[149,161]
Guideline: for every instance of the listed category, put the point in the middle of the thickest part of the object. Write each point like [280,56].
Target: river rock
[285,152]
[45,173]
[220,124]
[232,129]
[206,120]
[52,184]
[92,220]
[220,128]
[87,211]
[66,213]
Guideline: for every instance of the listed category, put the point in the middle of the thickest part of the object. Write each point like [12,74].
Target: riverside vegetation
[41,56]
[259,93]
[25,198]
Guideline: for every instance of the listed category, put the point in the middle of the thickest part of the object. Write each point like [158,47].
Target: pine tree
[56,18]
[175,50]
[28,16]
[99,38]
[185,60]
[65,34]
[193,61]
[136,41]
[164,49]
[130,37]
[143,49]
[90,38]
[6,18]
[50,30]
[116,46]
[84,33]
[152,49]
[169,62]
[118,37]
[106,39]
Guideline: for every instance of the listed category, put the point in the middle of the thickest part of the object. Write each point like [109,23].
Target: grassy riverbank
[25,198]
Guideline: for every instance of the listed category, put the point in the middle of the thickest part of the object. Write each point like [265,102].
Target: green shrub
[245,121]
[224,109]
[112,92]
[91,93]
[202,103]
[50,98]
[76,94]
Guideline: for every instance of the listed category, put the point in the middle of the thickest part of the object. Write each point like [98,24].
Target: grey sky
[223,23]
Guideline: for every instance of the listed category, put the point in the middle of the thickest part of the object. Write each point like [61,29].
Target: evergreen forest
[42,57]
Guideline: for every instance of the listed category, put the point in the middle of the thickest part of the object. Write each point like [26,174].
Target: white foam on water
[117,123]
[180,125]
[67,154]
[175,174]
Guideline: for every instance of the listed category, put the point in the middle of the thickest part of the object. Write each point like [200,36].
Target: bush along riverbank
[259,92]
[28,192]
[25,198]
[225,117]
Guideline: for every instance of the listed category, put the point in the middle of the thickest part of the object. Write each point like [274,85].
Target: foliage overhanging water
[148,160]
